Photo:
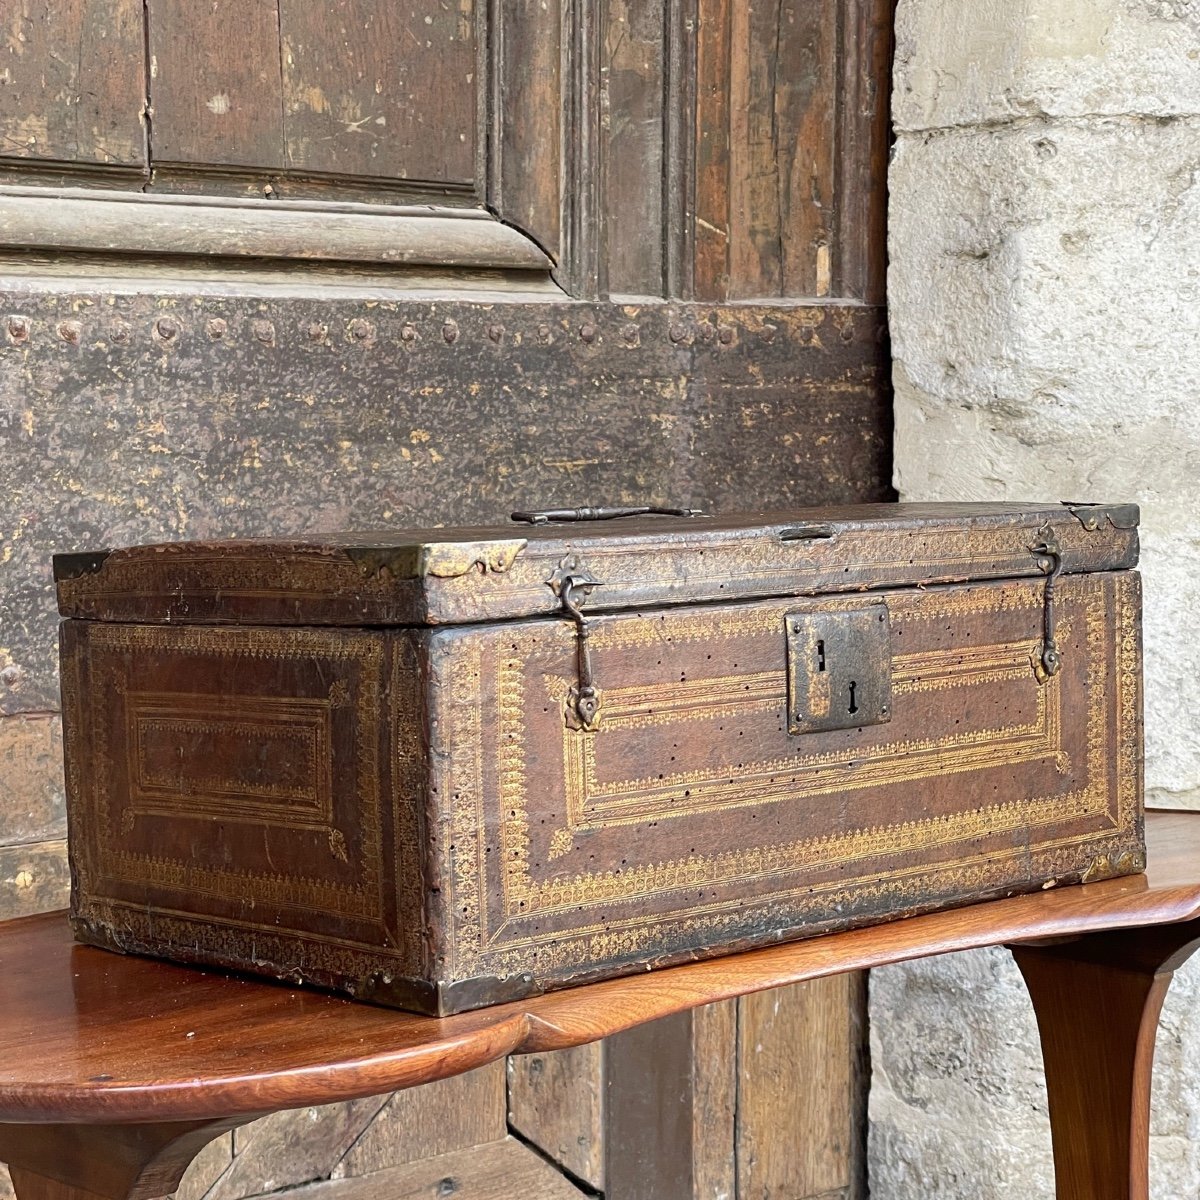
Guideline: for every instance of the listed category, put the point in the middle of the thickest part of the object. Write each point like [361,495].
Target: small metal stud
[450,331]
[216,328]
[587,333]
[408,334]
[496,332]
[18,328]
[69,331]
[166,328]
[264,331]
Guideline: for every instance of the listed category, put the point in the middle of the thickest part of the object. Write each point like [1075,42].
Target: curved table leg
[1097,1001]
[104,1162]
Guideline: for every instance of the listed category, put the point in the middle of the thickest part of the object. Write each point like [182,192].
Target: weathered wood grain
[206,1168]
[215,83]
[291,1148]
[72,82]
[864,140]
[503,1170]
[437,1118]
[782,147]
[633,71]
[556,1101]
[110,222]
[795,1120]
[713,130]
[714,1100]
[526,120]
[375,88]
[649,1110]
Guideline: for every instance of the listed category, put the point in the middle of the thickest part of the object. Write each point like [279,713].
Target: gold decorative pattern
[508,944]
[203,785]
[756,563]
[686,793]
[361,899]
[241,574]
[474,872]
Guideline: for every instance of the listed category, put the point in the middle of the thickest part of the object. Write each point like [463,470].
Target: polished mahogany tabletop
[83,1031]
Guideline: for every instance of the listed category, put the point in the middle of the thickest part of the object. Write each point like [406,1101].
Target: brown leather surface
[454,576]
[408,814]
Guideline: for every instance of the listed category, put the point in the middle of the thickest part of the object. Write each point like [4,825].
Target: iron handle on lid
[602,514]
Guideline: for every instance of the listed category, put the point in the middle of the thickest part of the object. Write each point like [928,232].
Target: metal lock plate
[839,667]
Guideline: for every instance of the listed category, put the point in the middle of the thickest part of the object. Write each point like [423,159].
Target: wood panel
[796,1090]
[215,84]
[766,124]
[72,82]
[556,1102]
[712,155]
[864,141]
[291,1148]
[526,174]
[381,89]
[649,1093]
[207,1167]
[757,1099]
[715,1101]
[436,1118]
[634,73]
[503,1170]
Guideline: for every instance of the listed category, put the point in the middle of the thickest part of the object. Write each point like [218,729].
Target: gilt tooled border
[364,900]
[945,553]
[591,806]
[1055,856]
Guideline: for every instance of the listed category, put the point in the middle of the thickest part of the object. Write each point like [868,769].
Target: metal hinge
[1049,556]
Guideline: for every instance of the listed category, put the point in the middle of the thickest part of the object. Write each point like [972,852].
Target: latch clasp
[571,583]
[1049,556]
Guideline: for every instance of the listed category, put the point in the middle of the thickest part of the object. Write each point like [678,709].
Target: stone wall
[1045,300]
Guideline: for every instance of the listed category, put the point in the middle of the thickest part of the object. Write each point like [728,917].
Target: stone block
[1003,60]
[958,1105]
[32,804]
[1046,317]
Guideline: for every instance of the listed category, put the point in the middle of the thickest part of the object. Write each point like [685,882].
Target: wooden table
[115,1072]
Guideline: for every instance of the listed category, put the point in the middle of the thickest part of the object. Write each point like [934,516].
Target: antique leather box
[441,769]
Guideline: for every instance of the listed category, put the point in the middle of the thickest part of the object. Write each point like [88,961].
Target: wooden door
[269,266]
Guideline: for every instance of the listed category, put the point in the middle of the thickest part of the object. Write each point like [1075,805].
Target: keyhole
[853,698]
[820,656]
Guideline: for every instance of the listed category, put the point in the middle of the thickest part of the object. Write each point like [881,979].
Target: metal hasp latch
[1049,557]
[839,666]
[571,583]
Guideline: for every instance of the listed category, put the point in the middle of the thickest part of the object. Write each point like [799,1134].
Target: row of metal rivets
[167,329]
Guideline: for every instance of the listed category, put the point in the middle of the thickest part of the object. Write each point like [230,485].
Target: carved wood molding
[80,219]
